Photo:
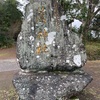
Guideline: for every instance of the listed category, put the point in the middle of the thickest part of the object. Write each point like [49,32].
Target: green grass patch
[93,50]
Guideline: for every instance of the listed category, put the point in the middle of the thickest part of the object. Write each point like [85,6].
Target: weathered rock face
[50,86]
[46,47]
[45,43]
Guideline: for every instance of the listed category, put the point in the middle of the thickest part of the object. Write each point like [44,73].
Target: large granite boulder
[45,42]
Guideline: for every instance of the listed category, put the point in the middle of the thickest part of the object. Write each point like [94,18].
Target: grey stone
[50,55]
[50,86]
[45,42]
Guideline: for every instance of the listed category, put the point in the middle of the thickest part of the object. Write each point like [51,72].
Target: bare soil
[92,92]
[8,53]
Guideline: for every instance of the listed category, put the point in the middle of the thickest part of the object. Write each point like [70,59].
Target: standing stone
[45,42]
[49,54]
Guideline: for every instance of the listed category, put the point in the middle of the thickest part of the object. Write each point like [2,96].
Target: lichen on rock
[45,41]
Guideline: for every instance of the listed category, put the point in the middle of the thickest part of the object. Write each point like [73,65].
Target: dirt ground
[8,53]
[92,92]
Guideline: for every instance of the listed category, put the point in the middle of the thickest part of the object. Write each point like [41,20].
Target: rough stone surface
[45,42]
[49,54]
[50,86]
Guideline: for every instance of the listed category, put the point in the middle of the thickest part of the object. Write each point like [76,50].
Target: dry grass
[93,50]
[8,94]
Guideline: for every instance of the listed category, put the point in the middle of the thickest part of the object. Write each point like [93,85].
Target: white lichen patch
[32,51]
[31,38]
[17,60]
[31,10]
[63,17]
[74,46]
[51,37]
[22,4]
[46,29]
[37,56]
[58,47]
[32,28]
[67,61]
[20,37]
[29,17]
[77,60]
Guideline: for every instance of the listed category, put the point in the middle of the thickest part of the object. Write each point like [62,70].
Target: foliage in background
[87,12]
[9,14]
[6,41]
[96,27]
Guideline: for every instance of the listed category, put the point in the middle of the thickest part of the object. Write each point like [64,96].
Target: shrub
[5,40]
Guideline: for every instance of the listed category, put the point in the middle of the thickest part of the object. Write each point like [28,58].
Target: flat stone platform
[50,86]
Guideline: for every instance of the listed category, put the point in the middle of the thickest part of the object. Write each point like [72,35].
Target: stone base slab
[50,86]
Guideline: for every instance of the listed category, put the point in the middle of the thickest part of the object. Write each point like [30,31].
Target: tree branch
[95,28]
[79,3]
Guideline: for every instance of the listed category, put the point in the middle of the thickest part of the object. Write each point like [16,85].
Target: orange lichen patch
[44,48]
[42,8]
[39,9]
[40,34]
[38,50]
[37,19]
[44,21]
[41,12]
[45,33]
[41,49]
